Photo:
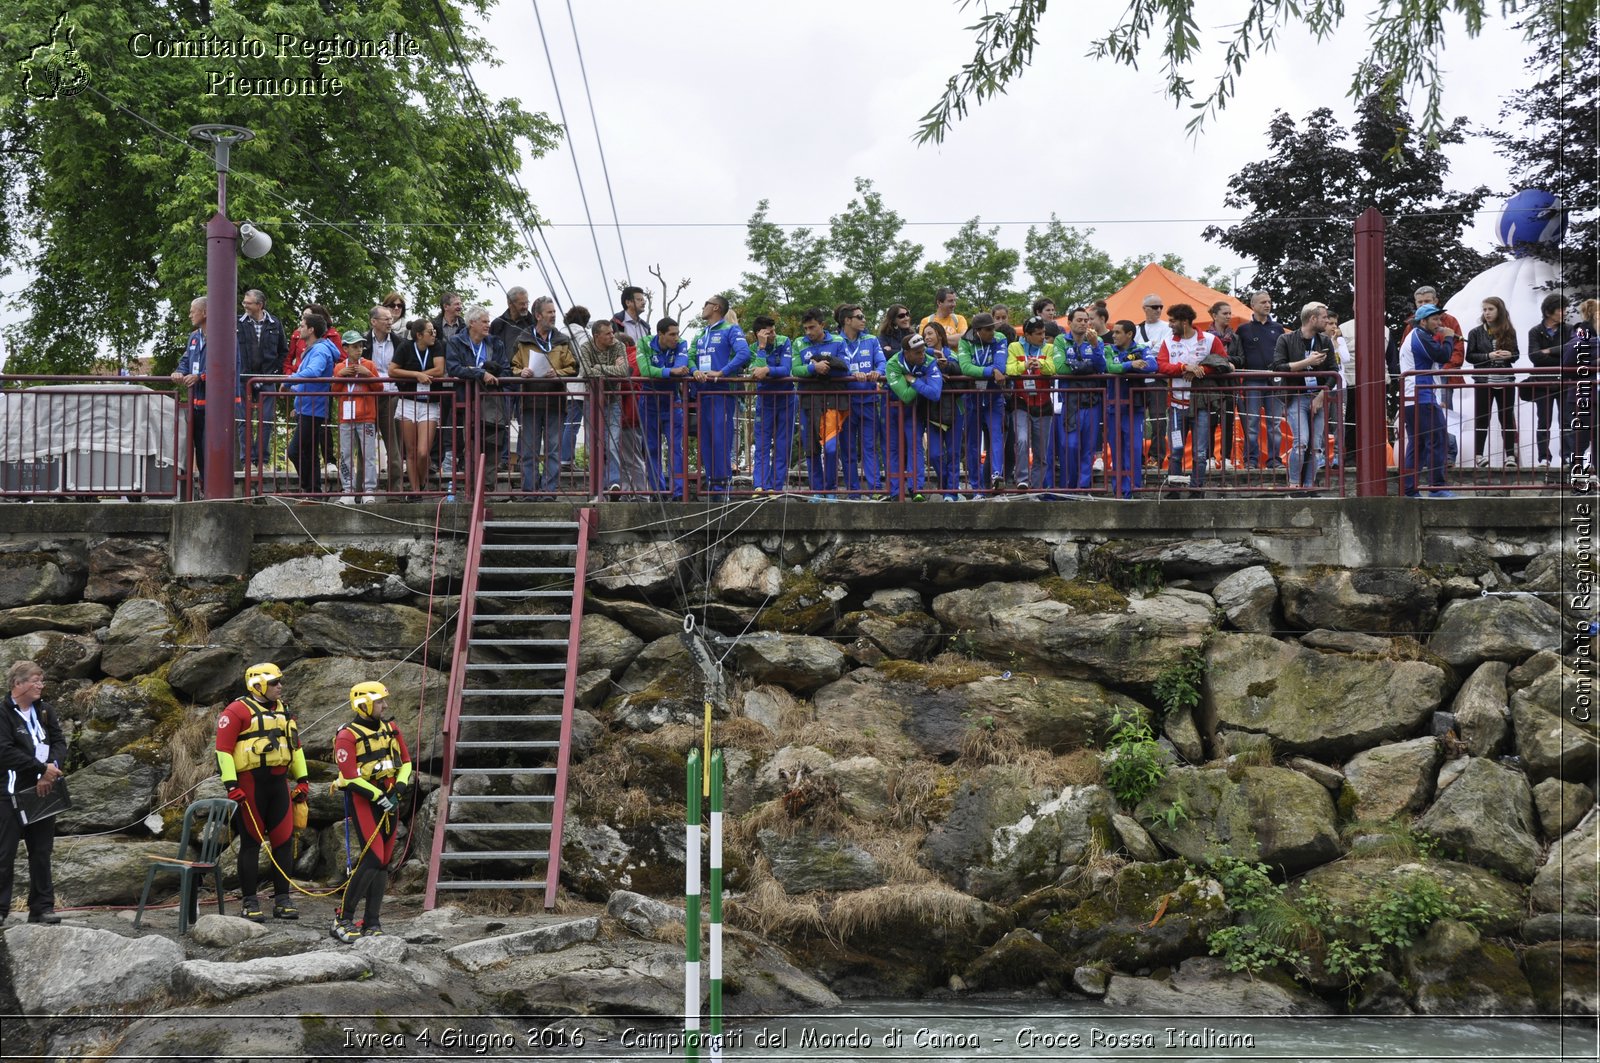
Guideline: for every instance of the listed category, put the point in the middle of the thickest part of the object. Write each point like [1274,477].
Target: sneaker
[367,500]
[919,498]
[1022,485]
[344,932]
[1511,461]
[1544,463]
[285,910]
[447,467]
[1100,465]
[1482,462]
[373,931]
[331,471]
[1439,492]
[250,908]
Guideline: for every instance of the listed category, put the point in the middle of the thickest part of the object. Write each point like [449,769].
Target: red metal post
[569,698]
[1371,373]
[222,353]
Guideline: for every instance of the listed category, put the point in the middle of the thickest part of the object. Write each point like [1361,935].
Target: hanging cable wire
[512,171]
[577,44]
[561,109]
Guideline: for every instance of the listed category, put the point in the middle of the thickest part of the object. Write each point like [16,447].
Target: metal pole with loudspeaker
[224,243]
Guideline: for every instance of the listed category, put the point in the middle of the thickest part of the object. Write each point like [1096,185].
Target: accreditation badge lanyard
[36,731]
[479,351]
[1030,353]
[703,355]
[851,353]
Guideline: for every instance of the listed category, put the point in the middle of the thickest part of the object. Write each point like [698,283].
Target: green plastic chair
[218,813]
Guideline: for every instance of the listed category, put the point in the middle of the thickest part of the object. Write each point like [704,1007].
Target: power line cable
[594,120]
[577,171]
[512,171]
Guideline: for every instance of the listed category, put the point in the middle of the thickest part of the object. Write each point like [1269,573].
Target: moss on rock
[1084,596]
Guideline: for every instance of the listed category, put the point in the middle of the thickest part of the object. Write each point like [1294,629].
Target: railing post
[1371,372]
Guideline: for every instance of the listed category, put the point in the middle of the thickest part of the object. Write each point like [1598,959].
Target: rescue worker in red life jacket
[375,773]
[259,757]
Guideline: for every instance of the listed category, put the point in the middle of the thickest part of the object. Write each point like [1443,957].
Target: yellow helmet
[364,697]
[257,676]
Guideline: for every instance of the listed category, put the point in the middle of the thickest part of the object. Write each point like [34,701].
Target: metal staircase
[508,715]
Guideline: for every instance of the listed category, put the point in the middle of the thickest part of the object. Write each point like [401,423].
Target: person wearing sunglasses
[1151,333]
[894,329]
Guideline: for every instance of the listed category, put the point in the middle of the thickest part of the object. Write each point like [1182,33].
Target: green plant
[1173,814]
[1134,766]
[1178,687]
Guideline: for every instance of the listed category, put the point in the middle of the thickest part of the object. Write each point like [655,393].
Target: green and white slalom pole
[716,907]
[691,913]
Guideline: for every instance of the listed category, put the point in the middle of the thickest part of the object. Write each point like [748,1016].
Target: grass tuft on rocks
[1084,596]
[944,671]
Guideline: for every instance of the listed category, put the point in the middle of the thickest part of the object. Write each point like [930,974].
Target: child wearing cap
[358,418]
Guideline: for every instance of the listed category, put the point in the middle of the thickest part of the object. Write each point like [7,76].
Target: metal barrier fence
[633,439]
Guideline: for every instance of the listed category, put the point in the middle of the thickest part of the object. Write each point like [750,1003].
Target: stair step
[539,618]
[511,719]
[542,525]
[503,771]
[516,642]
[545,667]
[524,594]
[538,692]
[510,854]
[522,570]
[497,826]
[502,799]
[487,884]
[503,547]
[508,745]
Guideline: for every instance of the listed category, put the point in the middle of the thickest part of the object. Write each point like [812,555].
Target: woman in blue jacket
[308,447]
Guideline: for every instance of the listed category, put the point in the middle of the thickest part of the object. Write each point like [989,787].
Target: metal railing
[1103,436]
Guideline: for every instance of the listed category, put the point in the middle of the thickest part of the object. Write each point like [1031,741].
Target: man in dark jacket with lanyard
[477,355]
[32,751]
[263,346]
[1258,342]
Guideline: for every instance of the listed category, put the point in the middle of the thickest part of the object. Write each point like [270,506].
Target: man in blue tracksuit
[982,358]
[817,364]
[1425,350]
[720,352]
[1080,353]
[863,354]
[191,373]
[1129,362]
[664,364]
[770,360]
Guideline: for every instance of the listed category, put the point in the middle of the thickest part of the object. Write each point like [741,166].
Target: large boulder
[1118,924]
[645,620]
[320,689]
[1487,816]
[1350,883]
[34,574]
[642,569]
[1551,740]
[1272,815]
[1204,986]
[58,970]
[1568,881]
[1393,780]
[113,713]
[1474,630]
[606,644]
[142,638]
[111,794]
[107,870]
[209,676]
[994,797]
[801,663]
[488,952]
[1323,705]
[910,635]
[371,630]
[1389,600]
[1130,646]
[1561,805]
[1452,971]
[1482,718]
[747,576]
[1248,598]
[62,656]
[1188,558]
[1018,960]
[969,608]
[805,861]
[216,673]
[211,980]
[934,562]
[119,567]
[1051,839]
[79,618]
[1564,976]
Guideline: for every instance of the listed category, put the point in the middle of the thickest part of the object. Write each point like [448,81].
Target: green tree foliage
[977,267]
[1315,178]
[1062,263]
[791,268]
[877,266]
[1406,38]
[1549,139]
[108,212]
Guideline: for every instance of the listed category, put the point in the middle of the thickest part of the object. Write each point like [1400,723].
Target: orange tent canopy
[1172,288]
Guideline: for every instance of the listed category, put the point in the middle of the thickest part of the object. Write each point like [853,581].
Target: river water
[1082,1031]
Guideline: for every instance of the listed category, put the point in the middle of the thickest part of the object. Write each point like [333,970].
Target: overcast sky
[707,106]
